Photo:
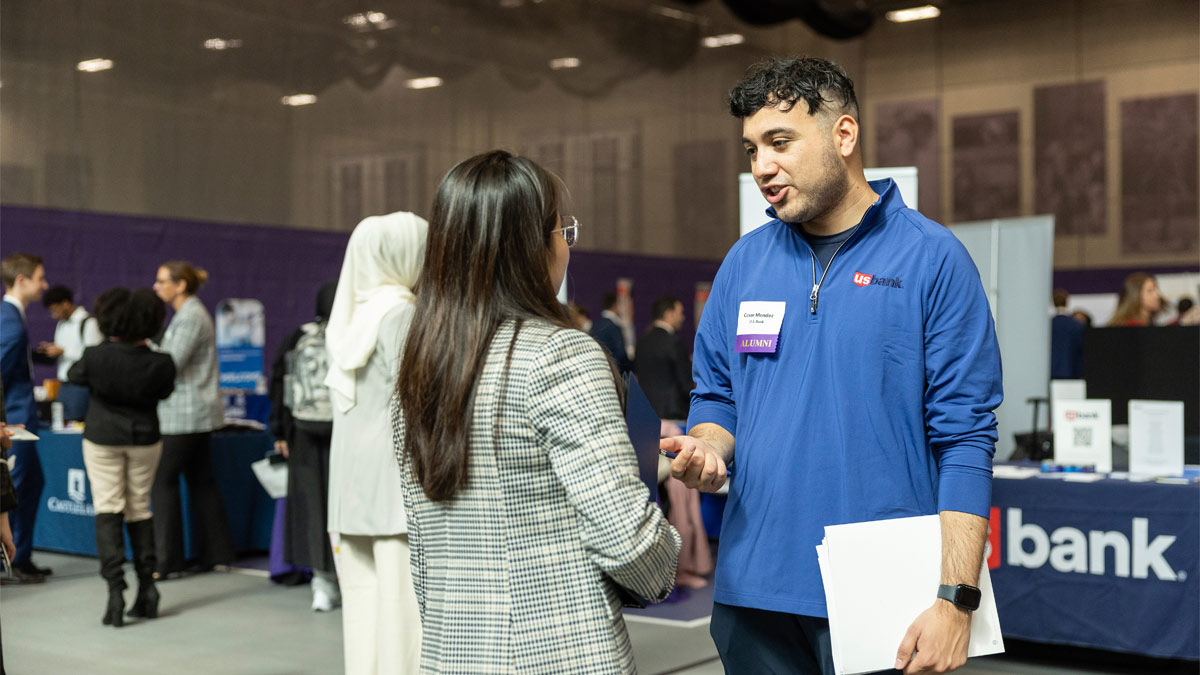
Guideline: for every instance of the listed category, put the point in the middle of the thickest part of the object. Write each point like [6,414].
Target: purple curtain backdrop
[91,252]
[282,267]
[590,275]
[1109,280]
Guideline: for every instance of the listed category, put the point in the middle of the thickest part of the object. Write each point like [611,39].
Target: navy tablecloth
[65,520]
[1112,564]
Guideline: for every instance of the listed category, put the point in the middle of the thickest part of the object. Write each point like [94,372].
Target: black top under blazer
[127,382]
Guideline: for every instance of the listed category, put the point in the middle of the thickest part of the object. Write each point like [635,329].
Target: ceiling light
[565,62]
[672,13]
[94,65]
[219,44]
[364,21]
[299,99]
[914,14]
[423,82]
[724,40]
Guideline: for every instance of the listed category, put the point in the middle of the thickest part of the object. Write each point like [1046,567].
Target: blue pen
[667,453]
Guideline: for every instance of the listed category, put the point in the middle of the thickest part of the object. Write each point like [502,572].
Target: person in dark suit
[121,439]
[24,280]
[607,331]
[663,367]
[1066,341]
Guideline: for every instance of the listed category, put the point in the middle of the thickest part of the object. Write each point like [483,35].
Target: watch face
[968,596]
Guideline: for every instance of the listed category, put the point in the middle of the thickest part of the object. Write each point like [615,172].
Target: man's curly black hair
[784,82]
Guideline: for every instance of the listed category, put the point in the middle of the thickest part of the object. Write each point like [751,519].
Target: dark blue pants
[28,482]
[762,642]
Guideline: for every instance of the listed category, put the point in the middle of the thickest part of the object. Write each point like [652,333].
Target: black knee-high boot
[110,544]
[141,539]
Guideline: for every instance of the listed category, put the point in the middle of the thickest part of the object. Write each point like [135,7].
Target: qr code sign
[1083,437]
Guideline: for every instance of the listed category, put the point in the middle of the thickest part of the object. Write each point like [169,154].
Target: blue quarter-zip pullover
[877,403]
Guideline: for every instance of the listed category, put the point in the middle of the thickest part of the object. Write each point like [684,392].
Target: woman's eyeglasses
[570,232]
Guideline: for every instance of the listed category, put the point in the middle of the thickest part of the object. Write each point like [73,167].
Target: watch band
[962,596]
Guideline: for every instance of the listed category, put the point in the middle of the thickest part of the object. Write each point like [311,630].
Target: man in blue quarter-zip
[848,347]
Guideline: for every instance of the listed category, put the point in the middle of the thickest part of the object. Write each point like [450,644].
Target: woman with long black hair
[526,516]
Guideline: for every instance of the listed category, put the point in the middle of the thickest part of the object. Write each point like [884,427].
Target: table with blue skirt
[66,523]
[1112,564]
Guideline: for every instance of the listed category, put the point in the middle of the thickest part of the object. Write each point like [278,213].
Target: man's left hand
[937,641]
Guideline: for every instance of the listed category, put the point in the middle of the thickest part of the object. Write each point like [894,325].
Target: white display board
[1156,438]
[1015,258]
[906,181]
[752,205]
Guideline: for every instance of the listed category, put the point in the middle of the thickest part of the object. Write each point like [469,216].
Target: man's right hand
[696,464]
[6,433]
[281,447]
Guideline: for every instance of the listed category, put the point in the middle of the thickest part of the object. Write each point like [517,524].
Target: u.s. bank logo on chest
[861,279]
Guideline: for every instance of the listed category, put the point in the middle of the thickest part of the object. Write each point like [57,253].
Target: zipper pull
[812,299]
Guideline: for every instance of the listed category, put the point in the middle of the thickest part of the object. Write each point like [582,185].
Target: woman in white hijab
[365,338]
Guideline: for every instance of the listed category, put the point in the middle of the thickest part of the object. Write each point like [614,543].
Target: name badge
[758,326]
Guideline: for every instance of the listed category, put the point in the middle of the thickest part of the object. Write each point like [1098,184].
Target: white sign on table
[1083,434]
[1156,438]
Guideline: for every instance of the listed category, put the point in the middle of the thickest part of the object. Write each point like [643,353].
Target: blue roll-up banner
[241,337]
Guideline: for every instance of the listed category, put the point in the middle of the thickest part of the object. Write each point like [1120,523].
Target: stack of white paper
[879,576]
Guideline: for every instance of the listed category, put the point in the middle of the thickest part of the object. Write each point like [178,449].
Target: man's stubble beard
[824,195]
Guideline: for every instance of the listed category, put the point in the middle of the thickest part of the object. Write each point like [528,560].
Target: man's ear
[845,135]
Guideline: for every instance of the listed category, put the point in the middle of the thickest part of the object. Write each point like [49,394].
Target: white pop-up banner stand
[1156,438]
[1083,434]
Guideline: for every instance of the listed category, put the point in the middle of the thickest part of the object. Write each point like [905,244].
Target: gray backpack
[305,392]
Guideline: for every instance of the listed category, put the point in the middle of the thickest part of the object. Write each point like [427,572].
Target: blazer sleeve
[412,514]
[78,372]
[182,339]
[13,343]
[575,411]
[164,383]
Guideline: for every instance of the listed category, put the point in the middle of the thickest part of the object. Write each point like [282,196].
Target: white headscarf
[383,260]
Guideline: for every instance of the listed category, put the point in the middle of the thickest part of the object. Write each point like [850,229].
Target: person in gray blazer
[188,418]
[527,521]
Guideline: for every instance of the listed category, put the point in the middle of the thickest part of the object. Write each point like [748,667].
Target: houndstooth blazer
[516,573]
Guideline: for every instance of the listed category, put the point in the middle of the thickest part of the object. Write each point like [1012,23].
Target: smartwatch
[963,596]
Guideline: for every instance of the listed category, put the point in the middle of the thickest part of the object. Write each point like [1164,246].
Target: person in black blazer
[663,367]
[121,439]
[607,331]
